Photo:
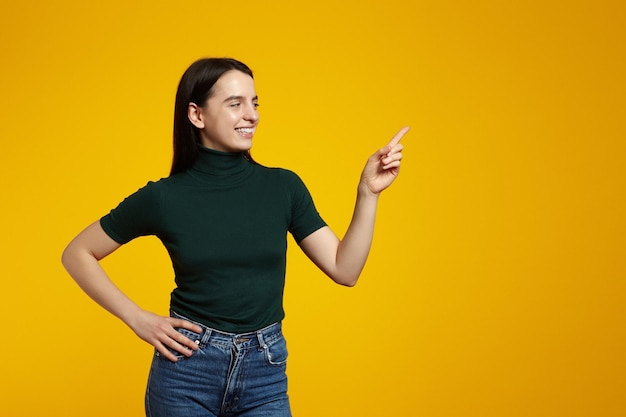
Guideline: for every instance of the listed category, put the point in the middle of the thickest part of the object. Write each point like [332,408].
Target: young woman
[223,219]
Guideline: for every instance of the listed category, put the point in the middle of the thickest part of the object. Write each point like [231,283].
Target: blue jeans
[229,375]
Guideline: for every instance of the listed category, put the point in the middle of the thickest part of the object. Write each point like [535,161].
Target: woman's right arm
[81,259]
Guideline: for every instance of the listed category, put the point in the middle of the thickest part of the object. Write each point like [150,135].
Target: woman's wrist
[131,316]
[364,191]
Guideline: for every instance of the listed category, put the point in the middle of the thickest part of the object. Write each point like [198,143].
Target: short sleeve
[305,218]
[138,215]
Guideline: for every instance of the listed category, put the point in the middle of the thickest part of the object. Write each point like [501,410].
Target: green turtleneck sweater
[224,223]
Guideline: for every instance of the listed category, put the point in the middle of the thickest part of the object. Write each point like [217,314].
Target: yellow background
[496,282]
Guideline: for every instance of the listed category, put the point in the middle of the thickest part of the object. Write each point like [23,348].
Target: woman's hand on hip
[161,333]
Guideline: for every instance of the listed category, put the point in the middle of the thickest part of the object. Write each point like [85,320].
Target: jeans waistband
[259,338]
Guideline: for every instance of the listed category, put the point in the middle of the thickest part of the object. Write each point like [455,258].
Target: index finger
[398,136]
[184,324]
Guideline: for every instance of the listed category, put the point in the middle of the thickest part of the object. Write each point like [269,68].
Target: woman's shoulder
[277,171]
[284,175]
[152,189]
[286,178]
[155,184]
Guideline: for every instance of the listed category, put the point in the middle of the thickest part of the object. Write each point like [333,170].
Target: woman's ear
[194,113]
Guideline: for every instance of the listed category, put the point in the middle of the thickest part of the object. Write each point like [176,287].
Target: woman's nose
[251,113]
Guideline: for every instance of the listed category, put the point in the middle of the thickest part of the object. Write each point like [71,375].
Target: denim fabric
[229,375]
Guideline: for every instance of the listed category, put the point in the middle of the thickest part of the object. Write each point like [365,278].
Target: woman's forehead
[234,83]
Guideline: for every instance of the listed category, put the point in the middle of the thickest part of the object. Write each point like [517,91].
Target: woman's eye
[256,105]
[234,104]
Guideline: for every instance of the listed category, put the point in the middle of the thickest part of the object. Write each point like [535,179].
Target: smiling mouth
[245,130]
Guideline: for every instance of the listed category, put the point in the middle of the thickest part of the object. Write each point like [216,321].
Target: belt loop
[259,335]
[206,336]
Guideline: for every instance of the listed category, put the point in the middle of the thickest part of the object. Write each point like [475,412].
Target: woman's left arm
[343,260]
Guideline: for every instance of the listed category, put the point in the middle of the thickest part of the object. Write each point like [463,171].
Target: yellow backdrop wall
[496,282]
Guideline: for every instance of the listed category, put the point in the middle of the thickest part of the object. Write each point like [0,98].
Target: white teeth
[246,130]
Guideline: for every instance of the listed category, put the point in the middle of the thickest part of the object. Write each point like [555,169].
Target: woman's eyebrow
[231,98]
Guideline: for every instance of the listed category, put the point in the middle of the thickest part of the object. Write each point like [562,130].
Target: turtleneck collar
[219,163]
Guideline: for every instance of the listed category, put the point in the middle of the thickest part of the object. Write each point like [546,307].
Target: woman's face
[228,119]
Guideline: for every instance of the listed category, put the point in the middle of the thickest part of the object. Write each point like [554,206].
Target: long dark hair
[196,86]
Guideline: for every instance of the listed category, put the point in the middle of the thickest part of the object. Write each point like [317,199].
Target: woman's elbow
[346,281]
[68,256]
[75,254]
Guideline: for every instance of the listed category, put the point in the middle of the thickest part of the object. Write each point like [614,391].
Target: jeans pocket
[276,352]
[189,335]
